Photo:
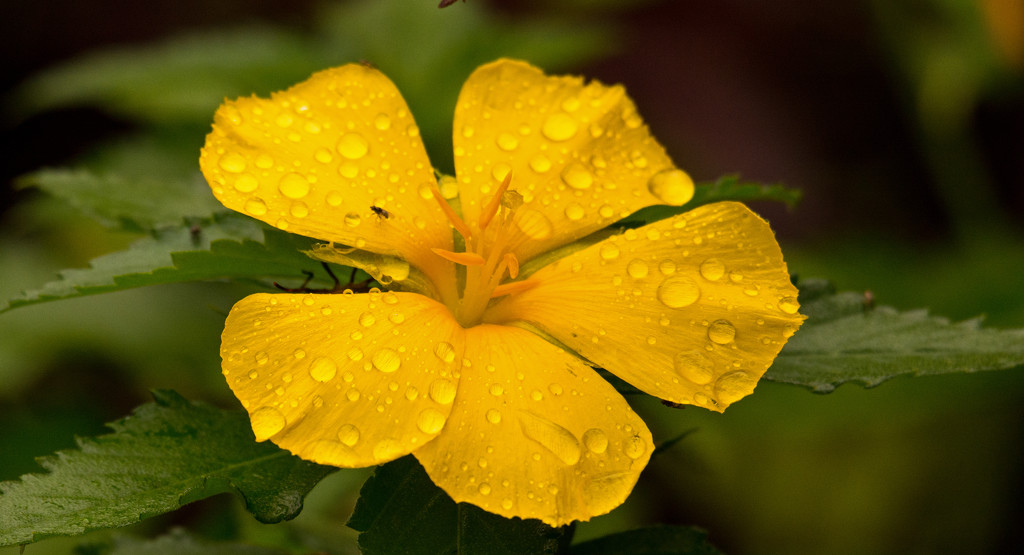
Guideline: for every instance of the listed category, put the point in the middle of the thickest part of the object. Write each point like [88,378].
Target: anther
[513,287]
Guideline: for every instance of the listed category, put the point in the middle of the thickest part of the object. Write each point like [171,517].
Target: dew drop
[721,332]
[595,440]
[232,162]
[694,366]
[634,447]
[430,421]
[349,170]
[577,176]
[556,439]
[733,386]
[367,319]
[637,269]
[507,142]
[334,198]
[609,252]
[712,269]
[560,127]
[352,394]
[667,267]
[387,449]
[671,186]
[354,354]
[574,211]
[246,183]
[266,422]
[387,360]
[262,358]
[256,207]
[484,489]
[323,156]
[555,389]
[396,317]
[323,369]
[348,434]
[299,210]
[506,504]
[496,390]
[382,122]
[444,351]
[540,163]
[789,305]
[293,186]
[442,391]
[493,416]
[534,224]
[678,292]
[264,162]
[299,354]
[353,146]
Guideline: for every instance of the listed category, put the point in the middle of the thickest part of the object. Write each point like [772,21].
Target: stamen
[492,207]
[464,258]
[513,287]
[454,218]
[513,265]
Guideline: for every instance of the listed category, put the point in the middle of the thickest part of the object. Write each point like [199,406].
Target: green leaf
[165,455]
[131,204]
[228,247]
[401,511]
[657,540]
[846,339]
[177,542]
[724,188]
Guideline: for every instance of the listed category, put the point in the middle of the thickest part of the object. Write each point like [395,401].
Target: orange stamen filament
[454,218]
[486,259]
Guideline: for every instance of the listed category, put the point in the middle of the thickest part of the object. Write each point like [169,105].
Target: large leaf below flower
[165,455]
[845,339]
[230,247]
[401,511]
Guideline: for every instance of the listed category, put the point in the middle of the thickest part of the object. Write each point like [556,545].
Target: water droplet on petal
[262,358]
[555,389]
[354,354]
[637,269]
[323,156]
[507,142]
[387,360]
[382,122]
[266,422]
[323,369]
[387,449]
[484,489]
[264,162]
[609,251]
[232,162]
[506,504]
[348,434]
[496,389]
[442,391]
[560,127]
[671,186]
[256,207]
[444,351]
[353,146]
[694,366]
[367,319]
[678,292]
[540,163]
[577,176]
[634,447]
[298,210]
[733,386]
[667,267]
[596,440]
[493,416]
[533,223]
[721,332]
[556,439]
[789,305]
[246,183]
[574,211]
[430,421]
[712,269]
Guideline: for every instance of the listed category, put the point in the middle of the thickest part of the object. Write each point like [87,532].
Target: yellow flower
[478,359]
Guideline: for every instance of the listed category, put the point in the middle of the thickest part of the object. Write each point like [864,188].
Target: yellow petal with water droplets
[337,158]
[344,380]
[535,433]
[579,154]
[692,309]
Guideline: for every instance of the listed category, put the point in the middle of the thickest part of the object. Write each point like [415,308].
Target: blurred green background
[902,122]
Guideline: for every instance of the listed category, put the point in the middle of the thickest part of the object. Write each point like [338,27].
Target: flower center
[486,257]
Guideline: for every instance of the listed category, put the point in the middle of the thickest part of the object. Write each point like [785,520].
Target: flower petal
[535,433]
[579,154]
[345,380]
[692,309]
[338,158]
